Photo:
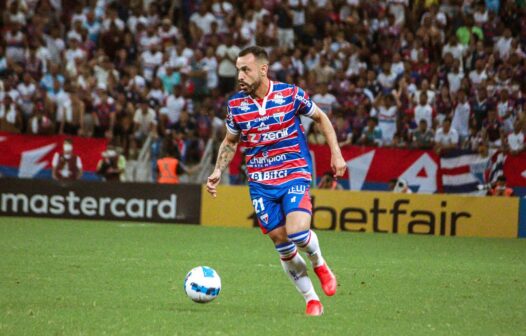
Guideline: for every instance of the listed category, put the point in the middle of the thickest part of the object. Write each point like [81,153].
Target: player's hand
[213,181]
[338,165]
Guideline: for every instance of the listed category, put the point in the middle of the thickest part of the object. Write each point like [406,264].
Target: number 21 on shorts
[258,205]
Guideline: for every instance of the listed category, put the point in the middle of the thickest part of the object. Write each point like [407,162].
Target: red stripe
[295,163]
[456,171]
[290,257]
[308,239]
[275,152]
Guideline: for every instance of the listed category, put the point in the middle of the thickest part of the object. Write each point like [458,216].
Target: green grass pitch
[68,277]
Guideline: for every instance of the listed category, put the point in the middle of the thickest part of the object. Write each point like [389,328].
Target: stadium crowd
[421,74]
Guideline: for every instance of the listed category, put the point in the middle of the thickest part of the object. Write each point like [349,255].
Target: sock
[296,269]
[308,241]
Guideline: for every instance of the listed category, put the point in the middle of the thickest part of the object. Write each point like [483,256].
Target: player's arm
[338,164]
[226,153]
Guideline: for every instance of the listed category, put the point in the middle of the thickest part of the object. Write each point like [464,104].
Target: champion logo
[278,117]
[264,218]
[278,99]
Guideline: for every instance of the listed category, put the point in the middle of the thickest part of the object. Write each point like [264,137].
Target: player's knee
[278,235]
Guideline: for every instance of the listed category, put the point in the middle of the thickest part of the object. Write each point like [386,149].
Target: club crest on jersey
[264,218]
[278,99]
[278,117]
[244,106]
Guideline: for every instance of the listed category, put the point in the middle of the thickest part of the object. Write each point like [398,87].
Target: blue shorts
[273,203]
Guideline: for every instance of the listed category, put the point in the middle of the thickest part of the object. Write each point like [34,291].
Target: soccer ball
[202,284]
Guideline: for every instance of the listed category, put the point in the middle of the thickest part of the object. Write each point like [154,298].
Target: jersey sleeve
[231,125]
[306,105]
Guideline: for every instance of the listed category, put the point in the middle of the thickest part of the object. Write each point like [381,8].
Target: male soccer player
[264,115]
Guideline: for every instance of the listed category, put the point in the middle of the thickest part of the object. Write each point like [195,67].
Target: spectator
[492,129]
[325,100]
[500,188]
[226,57]
[372,135]
[66,166]
[515,140]
[112,166]
[424,111]
[461,115]
[10,116]
[423,137]
[385,109]
[446,137]
[144,122]
[104,113]
[506,110]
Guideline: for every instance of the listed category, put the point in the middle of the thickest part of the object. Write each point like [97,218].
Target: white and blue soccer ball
[202,284]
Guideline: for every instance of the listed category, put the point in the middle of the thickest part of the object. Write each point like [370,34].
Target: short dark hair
[257,51]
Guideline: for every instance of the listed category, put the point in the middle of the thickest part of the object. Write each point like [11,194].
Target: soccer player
[264,116]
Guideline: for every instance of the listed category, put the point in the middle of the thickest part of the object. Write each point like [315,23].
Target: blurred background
[135,82]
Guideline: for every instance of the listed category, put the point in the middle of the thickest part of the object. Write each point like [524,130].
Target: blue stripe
[522,218]
[463,188]
[288,251]
[282,245]
[289,246]
[293,235]
[456,153]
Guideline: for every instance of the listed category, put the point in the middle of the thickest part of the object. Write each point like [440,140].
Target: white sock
[308,241]
[296,269]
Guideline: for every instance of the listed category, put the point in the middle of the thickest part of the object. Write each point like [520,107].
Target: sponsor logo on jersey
[278,117]
[263,127]
[270,136]
[266,160]
[269,175]
[278,99]
[304,100]
[297,189]
[275,135]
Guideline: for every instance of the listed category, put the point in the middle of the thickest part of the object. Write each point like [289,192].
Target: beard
[250,88]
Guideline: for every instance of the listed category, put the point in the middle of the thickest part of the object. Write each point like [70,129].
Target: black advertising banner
[145,202]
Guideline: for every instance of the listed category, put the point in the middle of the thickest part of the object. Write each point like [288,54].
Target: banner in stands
[372,168]
[444,215]
[143,202]
[30,156]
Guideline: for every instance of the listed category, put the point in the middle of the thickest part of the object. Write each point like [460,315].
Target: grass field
[66,277]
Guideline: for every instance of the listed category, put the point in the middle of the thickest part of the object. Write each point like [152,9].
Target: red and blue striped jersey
[270,130]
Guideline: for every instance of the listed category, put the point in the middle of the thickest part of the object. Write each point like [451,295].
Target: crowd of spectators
[421,74]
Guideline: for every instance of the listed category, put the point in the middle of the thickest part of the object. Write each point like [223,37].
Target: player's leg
[271,220]
[295,267]
[298,208]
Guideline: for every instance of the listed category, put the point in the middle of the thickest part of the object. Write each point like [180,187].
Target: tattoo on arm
[225,155]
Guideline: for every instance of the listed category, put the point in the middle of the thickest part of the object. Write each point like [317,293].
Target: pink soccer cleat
[314,308]
[327,279]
